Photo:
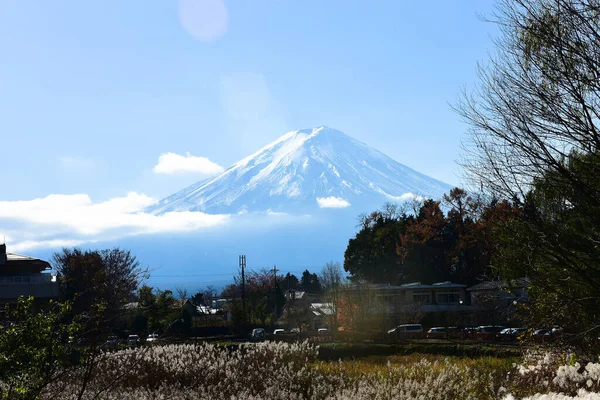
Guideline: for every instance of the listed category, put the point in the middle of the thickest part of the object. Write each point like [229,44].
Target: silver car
[258,334]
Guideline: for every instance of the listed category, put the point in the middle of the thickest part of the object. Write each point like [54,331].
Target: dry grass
[379,364]
[292,371]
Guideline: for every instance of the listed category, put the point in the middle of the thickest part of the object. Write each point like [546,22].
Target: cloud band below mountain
[61,220]
[65,220]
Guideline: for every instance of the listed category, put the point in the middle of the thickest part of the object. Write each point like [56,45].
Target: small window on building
[448,297]
[422,297]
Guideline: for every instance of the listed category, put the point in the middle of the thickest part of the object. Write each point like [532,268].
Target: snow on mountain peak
[292,172]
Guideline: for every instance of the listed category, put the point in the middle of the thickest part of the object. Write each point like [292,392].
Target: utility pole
[274,293]
[242,266]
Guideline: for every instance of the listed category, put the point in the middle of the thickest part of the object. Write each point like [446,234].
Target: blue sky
[92,93]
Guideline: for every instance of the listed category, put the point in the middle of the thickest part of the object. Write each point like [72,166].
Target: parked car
[153,337]
[455,332]
[407,331]
[556,331]
[133,340]
[278,331]
[112,341]
[468,332]
[436,333]
[258,334]
[488,332]
[441,332]
[541,335]
[323,331]
[511,334]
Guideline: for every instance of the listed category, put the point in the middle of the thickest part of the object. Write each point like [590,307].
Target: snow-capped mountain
[303,170]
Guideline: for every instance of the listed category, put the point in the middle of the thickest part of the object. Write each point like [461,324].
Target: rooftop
[12,262]
[373,286]
[448,284]
[406,286]
[322,309]
[415,285]
[296,294]
[492,285]
[19,257]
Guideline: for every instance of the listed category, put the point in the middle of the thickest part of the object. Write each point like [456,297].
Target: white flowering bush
[423,380]
[555,376]
[204,370]
[261,371]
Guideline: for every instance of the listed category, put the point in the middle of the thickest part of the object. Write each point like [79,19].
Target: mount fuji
[303,171]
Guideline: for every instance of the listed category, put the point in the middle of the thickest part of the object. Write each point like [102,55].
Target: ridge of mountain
[303,170]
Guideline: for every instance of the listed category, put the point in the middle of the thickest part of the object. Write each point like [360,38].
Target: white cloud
[173,163]
[42,244]
[406,197]
[271,212]
[332,202]
[68,220]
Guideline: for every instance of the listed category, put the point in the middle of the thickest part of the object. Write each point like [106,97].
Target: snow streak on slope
[300,167]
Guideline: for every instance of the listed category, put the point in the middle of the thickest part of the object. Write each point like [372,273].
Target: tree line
[428,241]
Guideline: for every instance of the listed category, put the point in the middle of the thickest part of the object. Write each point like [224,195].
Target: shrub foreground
[291,371]
[546,376]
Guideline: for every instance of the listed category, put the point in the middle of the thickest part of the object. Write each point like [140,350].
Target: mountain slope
[303,170]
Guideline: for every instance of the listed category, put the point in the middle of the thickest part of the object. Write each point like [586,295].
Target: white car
[407,331]
[153,337]
[278,331]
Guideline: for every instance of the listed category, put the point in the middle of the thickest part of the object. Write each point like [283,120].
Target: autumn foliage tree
[264,298]
[98,283]
[423,243]
[445,240]
[371,254]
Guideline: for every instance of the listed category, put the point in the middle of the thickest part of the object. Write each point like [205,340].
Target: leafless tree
[533,138]
[182,293]
[538,98]
[332,280]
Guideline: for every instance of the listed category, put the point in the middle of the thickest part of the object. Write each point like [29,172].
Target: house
[322,314]
[498,300]
[439,303]
[440,296]
[299,298]
[25,276]
[498,293]
[221,304]
[302,311]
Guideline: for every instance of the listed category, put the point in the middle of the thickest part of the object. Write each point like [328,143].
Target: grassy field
[277,370]
[497,366]
[345,351]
